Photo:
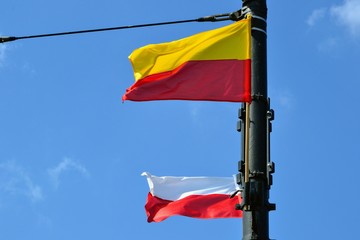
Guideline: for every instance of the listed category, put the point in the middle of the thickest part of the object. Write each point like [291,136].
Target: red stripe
[211,80]
[196,206]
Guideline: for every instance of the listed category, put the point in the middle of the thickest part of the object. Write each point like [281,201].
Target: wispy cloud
[65,165]
[348,15]
[16,181]
[328,19]
[315,16]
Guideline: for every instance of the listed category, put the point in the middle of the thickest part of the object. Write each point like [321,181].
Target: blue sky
[71,153]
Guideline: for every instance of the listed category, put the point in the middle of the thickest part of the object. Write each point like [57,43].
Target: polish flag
[197,197]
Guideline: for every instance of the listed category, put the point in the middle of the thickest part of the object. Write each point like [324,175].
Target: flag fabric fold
[213,65]
[197,197]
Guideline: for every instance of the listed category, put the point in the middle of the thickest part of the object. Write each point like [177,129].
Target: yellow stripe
[229,42]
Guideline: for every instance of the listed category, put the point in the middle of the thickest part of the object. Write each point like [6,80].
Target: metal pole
[255,189]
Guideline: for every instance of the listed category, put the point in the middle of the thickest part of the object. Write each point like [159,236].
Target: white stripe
[175,188]
[259,29]
[258,17]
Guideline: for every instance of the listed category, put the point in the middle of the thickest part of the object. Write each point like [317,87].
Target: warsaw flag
[197,197]
[214,65]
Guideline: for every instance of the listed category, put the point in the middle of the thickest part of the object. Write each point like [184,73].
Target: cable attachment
[215,18]
[235,193]
[240,14]
[7,39]
[245,198]
[253,198]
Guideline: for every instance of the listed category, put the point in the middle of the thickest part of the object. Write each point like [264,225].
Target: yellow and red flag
[214,66]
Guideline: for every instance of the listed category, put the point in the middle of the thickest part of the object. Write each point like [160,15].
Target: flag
[197,197]
[214,66]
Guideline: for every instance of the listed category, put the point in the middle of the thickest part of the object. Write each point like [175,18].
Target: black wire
[103,29]
[215,18]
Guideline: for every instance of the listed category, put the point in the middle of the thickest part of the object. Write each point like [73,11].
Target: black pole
[256,186]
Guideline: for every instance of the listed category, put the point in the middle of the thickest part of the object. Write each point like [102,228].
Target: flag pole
[255,121]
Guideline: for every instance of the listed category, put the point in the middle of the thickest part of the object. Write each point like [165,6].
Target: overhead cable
[213,18]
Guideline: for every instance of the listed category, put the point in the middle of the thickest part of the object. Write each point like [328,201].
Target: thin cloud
[65,165]
[348,15]
[15,180]
[315,16]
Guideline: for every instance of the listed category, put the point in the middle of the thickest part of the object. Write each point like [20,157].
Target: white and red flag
[197,197]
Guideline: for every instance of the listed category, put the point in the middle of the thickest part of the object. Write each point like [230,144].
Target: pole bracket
[271,206]
[252,198]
